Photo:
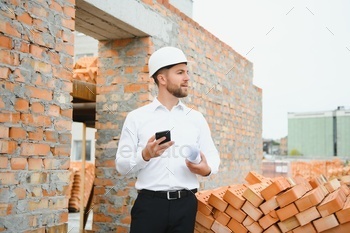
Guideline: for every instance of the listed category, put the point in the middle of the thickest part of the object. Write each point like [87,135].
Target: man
[166,179]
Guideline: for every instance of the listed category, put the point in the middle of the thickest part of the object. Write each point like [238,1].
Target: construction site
[44,90]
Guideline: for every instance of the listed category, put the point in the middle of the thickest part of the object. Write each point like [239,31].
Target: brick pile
[282,204]
[315,168]
[85,69]
[75,187]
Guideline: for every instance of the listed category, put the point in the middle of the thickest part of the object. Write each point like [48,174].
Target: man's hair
[161,70]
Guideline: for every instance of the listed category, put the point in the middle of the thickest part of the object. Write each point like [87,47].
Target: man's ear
[161,78]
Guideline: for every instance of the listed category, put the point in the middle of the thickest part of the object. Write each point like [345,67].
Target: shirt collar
[156,104]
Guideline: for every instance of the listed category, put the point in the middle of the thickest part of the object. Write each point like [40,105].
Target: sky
[300,52]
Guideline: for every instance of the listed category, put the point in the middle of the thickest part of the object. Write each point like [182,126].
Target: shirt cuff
[139,161]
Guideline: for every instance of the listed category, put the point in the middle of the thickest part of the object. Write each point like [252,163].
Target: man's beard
[176,91]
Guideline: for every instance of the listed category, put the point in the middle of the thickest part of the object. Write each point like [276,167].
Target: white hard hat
[164,57]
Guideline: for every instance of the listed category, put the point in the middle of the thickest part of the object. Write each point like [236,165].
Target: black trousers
[151,214]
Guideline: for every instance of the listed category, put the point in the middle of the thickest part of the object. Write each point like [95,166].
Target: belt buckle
[173,198]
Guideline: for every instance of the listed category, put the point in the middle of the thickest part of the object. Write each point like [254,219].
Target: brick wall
[222,91]
[36,49]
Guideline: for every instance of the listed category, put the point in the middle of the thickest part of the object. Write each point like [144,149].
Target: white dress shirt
[169,171]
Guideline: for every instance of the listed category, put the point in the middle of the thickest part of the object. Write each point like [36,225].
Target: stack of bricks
[85,69]
[74,200]
[287,205]
[312,169]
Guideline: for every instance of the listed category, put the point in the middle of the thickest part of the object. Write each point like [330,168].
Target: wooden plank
[84,90]
[112,31]
[83,152]
[109,18]
[81,26]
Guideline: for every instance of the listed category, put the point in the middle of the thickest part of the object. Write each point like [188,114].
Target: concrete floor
[74,221]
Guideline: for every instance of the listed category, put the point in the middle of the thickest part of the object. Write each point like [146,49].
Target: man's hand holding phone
[157,144]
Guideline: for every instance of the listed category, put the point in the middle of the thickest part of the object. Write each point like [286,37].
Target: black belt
[170,195]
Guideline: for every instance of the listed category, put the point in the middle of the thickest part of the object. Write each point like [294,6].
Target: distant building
[319,134]
[284,146]
[270,147]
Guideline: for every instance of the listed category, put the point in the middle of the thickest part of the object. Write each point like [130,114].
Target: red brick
[22,105]
[37,107]
[254,178]
[275,188]
[25,18]
[318,181]
[343,215]
[51,136]
[237,214]
[61,150]
[345,188]
[8,178]
[35,164]
[28,149]
[216,199]
[134,88]
[221,217]
[4,132]
[288,224]
[254,228]
[7,57]
[291,195]
[269,205]
[70,11]
[198,227]
[66,138]
[332,185]
[307,216]
[9,117]
[343,228]
[236,226]
[55,6]
[39,93]
[18,163]
[234,197]
[267,221]
[252,194]
[325,223]
[37,178]
[252,211]
[35,120]
[218,227]
[308,228]
[21,193]
[4,72]
[5,42]
[203,205]
[18,133]
[36,51]
[54,110]
[3,162]
[37,205]
[7,28]
[311,198]
[63,125]
[331,204]
[67,113]
[36,135]
[7,147]
[68,23]
[272,229]
[205,220]
[287,212]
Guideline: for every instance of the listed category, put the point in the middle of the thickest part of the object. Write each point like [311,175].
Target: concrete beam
[110,19]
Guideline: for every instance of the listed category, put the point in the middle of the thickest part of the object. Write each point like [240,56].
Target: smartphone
[166,134]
